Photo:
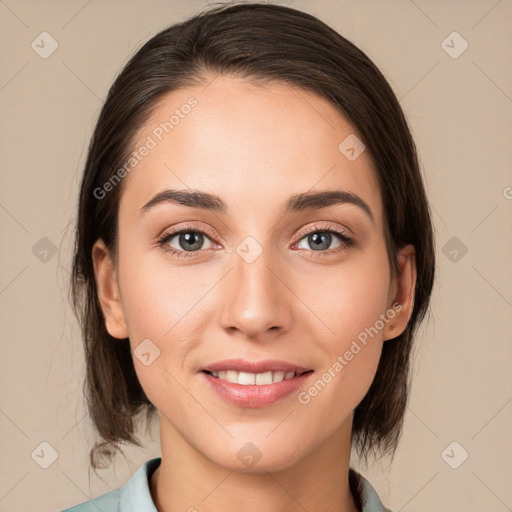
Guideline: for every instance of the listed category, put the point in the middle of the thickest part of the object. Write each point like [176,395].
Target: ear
[108,291]
[401,296]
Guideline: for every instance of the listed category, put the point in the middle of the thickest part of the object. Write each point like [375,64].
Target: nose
[256,301]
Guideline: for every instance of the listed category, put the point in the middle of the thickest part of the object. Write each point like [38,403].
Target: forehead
[249,144]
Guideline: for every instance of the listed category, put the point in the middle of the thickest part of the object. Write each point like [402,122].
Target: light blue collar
[135,495]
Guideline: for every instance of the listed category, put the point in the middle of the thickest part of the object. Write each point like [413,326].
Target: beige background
[460,113]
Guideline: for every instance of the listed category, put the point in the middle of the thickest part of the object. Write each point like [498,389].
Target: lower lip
[254,396]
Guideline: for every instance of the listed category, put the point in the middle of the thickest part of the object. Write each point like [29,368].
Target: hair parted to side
[260,42]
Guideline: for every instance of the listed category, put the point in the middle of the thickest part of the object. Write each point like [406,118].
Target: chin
[270,464]
[258,456]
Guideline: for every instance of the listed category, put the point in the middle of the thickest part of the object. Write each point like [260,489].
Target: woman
[254,253]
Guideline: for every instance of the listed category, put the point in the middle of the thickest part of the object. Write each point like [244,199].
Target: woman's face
[264,275]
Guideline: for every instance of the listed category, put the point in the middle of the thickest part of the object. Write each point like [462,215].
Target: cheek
[161,305]
[349,304]
[171,307]
[349,298]
[157,298]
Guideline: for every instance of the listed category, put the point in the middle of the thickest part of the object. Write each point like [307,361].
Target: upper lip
[243,365]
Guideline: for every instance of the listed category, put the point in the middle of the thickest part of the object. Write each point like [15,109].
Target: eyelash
[346,240]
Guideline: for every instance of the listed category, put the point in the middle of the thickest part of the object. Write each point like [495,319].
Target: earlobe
[108,291]
[401,300]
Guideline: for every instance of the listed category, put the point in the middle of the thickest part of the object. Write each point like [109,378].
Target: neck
[188,481]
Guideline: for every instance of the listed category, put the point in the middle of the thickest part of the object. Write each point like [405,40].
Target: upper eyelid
[185,229]
[330,228]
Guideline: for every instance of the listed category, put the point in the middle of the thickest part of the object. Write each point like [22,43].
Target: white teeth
[264,378]
[248,379]
[278,377]
[232,376]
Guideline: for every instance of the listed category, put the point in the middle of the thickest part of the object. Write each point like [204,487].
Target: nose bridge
[255,299]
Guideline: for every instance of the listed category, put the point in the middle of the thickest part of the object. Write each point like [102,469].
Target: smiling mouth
[254,379]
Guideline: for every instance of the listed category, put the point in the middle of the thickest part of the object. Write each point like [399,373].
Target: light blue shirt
[134,496]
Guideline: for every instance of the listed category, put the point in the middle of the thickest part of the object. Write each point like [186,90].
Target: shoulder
[133,496]
[367,496]
[108,502]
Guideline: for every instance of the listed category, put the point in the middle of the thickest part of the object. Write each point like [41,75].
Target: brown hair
[258,42]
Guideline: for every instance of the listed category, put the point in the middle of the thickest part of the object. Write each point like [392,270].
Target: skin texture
[253,146]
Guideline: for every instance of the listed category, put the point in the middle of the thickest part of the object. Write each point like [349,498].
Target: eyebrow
[297,202]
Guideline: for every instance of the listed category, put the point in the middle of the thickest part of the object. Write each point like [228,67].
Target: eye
[182,242]
[188,240]
[322,240]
